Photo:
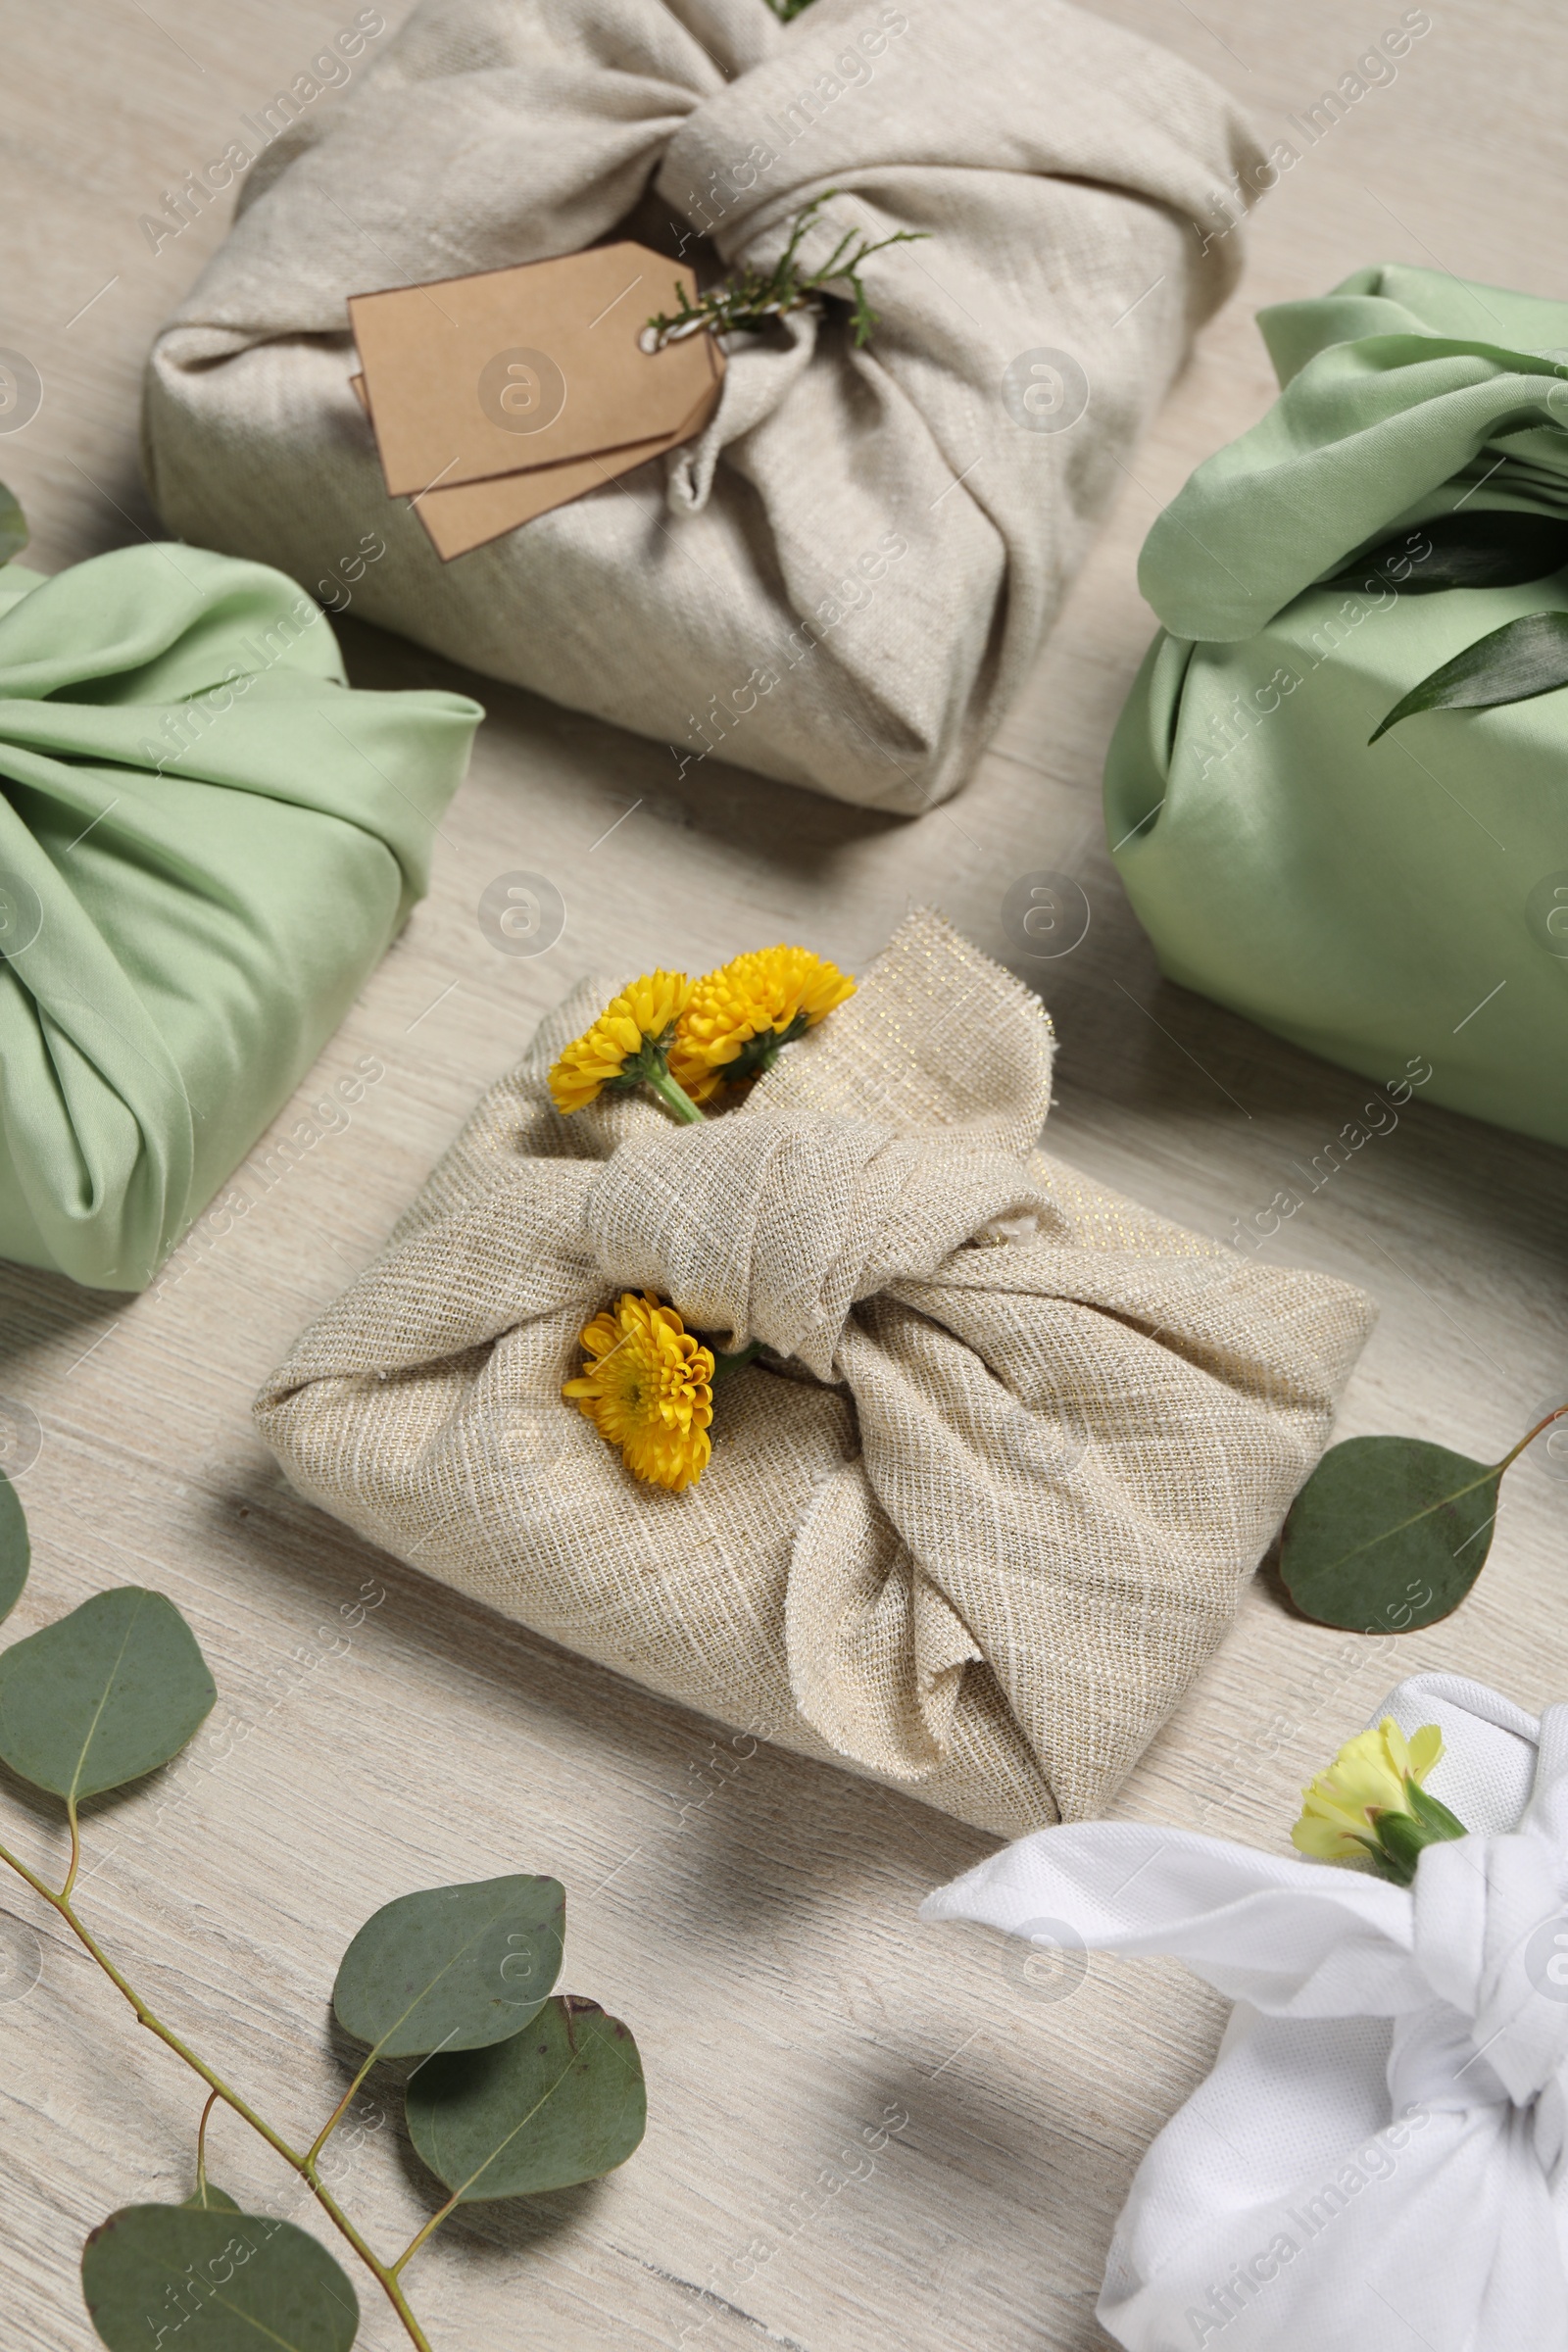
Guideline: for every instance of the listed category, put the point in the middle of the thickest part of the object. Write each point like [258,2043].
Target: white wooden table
[755,1924]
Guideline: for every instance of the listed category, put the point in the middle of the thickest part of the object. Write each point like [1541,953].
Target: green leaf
[562,2102]
[455,1968]
[1524,658]
[1434,1815]
[1404,1837]
[15,1550]
[1482,550]
[213,2199]
[1389,1533]
[165,2275]
[13,527]
[1399,1843]
[105,1694]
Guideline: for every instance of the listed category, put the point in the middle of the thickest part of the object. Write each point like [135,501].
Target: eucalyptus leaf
[1389,1533]
[208,2199]
[15,1550]
[103,1696]
[13,527]
[455,1968]
[165,2275]
[1525,657]
[564,2101]
[1489,549]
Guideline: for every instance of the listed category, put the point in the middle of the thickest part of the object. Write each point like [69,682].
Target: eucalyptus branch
[1530,1438]
[383,2272]
[201,2146]
[340,2110]
[747,302]
[76,1848]
[429,2230]
[450,1975]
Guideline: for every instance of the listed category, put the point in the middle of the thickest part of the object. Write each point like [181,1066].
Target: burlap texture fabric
[842,583]
[980,1519]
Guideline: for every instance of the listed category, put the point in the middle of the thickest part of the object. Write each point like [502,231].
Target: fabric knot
[1491,1939]
[987,1522]
[1392,2084]
[771,1228]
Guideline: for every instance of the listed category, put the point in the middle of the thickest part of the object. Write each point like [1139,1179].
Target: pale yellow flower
[738,1018]
[647,1387]
[625,1045]
[1372,1775]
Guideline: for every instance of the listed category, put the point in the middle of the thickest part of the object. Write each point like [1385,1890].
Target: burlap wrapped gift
[977,1530]
[842,583]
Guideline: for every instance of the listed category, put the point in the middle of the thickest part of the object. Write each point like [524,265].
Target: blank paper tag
[509,369]
[471,514]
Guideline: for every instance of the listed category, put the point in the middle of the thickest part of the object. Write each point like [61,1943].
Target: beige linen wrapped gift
[842,583]
[980,1526]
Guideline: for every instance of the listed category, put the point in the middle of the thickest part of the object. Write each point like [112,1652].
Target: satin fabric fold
[207,841]
[1397,905]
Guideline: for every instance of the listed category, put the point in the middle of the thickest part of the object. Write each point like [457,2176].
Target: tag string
[744,303]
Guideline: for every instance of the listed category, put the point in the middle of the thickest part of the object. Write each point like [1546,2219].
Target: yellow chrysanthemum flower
[625,1045]
[1372,1775]
[647,1387]
[739,1017]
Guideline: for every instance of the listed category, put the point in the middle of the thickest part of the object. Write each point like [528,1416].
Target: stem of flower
[724,1365]
[302,2165]
[676,1101]
[1510,1459]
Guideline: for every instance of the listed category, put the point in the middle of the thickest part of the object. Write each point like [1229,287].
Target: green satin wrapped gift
[206,840]
[1373,902]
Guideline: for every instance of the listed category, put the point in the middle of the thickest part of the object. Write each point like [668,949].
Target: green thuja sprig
[519,2089]
[746,303]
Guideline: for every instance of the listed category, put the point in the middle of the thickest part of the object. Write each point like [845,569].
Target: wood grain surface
[751,1915]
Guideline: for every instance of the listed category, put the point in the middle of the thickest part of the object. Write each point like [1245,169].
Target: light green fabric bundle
[1407,898]
[207,841]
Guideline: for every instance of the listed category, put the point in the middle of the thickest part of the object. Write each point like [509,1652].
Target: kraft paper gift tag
[1058,162]
[473,514]
[472,377]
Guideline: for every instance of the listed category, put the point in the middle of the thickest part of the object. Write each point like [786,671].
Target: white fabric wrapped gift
[1378,2155]
[843,581]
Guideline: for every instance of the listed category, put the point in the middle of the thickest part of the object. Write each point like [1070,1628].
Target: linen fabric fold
[1375,902]
[207,841]
[1385,2124]
[842,582]
[978,1518]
